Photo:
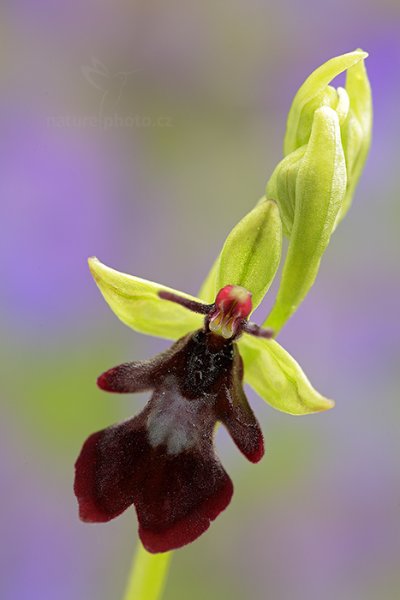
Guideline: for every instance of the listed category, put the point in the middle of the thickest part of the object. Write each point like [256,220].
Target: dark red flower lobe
[163,460]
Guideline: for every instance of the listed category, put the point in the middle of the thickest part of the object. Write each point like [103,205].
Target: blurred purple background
[201,92]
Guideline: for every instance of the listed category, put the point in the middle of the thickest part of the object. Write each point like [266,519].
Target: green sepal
[314,93]
[251,253]
[320,189]
[136,303]
[278,378]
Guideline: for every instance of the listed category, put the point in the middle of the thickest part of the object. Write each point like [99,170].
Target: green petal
[312,94]
[136,303]
[251,253]
[320,189]
[278,378]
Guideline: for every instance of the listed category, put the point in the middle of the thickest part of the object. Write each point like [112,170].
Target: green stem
[147,576]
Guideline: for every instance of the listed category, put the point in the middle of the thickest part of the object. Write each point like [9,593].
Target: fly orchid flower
[163,460]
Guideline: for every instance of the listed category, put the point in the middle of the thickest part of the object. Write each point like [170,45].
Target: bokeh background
[200,92]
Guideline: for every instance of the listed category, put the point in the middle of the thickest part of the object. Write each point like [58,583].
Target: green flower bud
[353,105]
[316,92]
[317,192]
[326,144]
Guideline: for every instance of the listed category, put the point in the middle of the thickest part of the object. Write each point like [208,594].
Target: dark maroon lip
[163,460]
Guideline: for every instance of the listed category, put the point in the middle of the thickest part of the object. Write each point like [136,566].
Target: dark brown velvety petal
[236,414]
[162,461]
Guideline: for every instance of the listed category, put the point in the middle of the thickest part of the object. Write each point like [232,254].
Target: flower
[163,460]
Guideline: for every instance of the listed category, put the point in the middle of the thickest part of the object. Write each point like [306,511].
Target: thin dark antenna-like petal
[257,331]
[192,305]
